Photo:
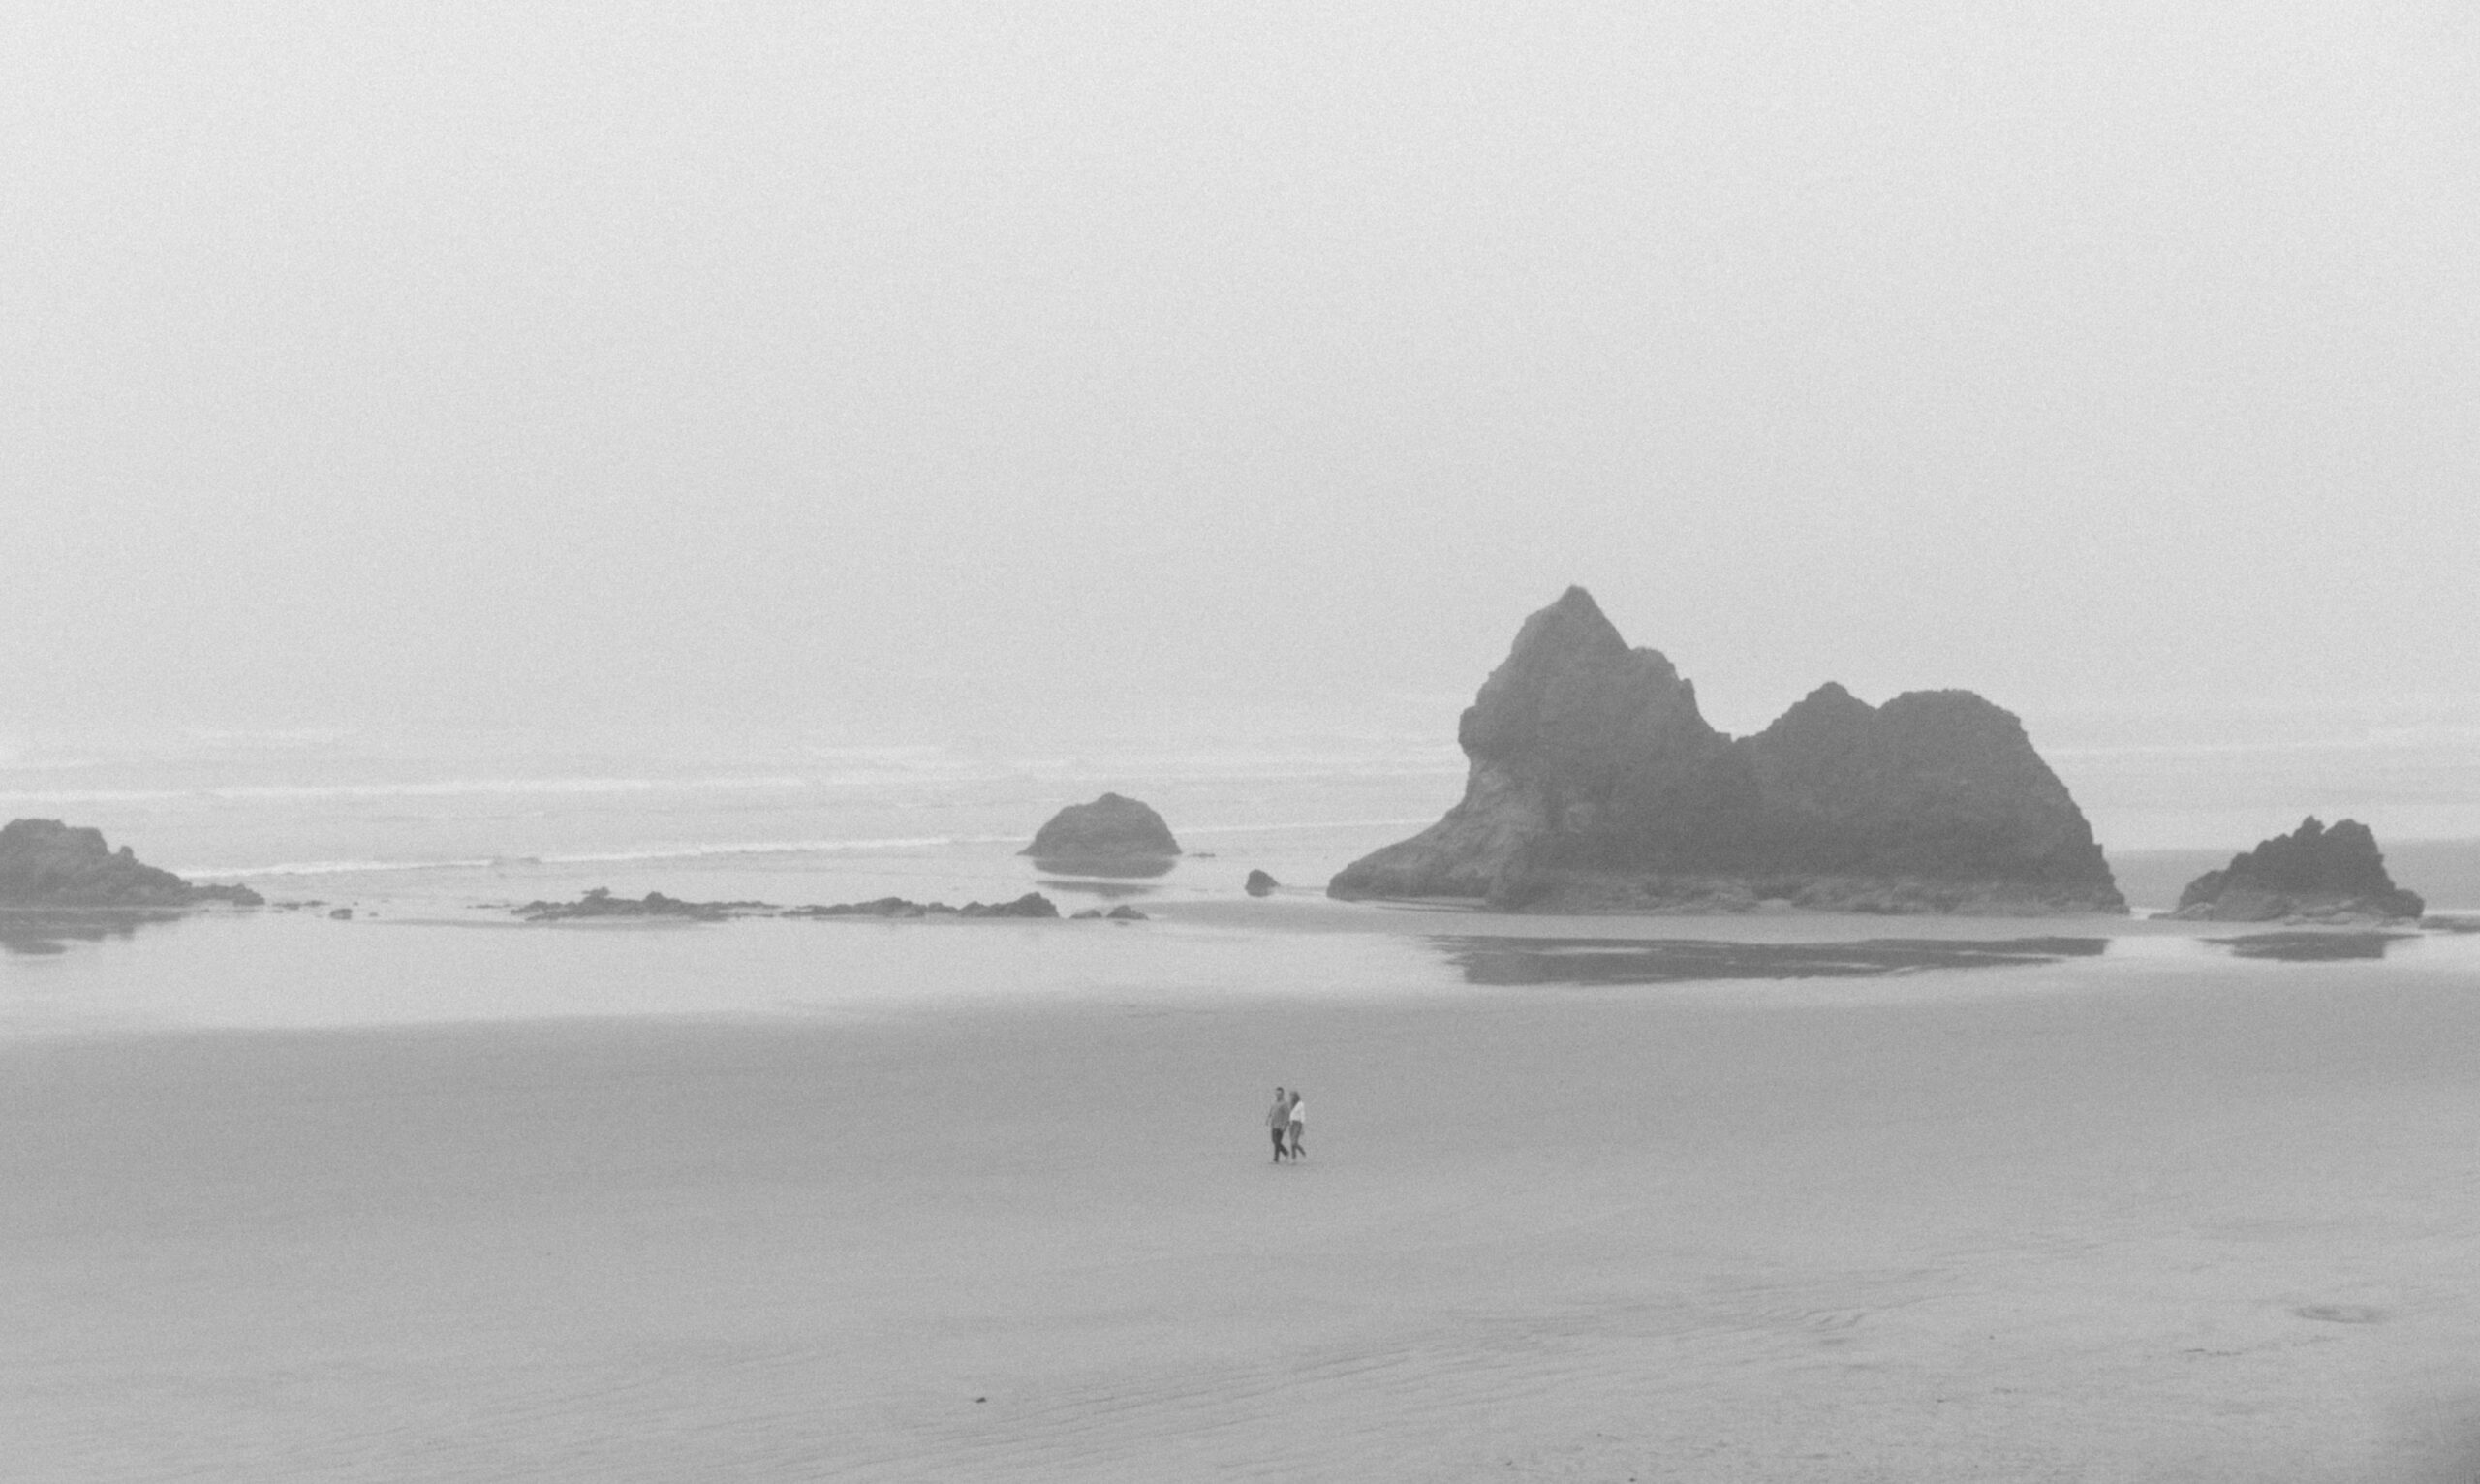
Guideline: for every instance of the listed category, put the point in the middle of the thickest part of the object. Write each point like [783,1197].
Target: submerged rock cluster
[1032,904]
[600,903]
[1595,783]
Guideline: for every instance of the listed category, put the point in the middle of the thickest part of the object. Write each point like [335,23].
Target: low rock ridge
[1112,832]
[46,863]
[1597,784]
[600,903]
[2314,874]
[1032,904]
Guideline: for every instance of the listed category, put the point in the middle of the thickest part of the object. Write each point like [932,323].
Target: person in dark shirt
[1279,1122]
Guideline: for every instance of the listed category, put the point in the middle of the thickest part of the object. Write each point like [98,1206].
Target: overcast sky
[862,365]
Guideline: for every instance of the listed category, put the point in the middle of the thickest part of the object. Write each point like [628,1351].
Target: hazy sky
[848,365]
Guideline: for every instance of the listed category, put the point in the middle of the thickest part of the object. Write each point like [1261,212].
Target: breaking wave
[724,849]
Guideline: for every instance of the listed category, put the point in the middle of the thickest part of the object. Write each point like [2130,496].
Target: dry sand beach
[2150,1213]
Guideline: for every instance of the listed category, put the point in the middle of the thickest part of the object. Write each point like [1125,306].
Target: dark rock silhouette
[601,903]
[1115,915]
[1113,835]
[1032,904]
[2312,874]
[1597,785]
[45,863]
[1259,885]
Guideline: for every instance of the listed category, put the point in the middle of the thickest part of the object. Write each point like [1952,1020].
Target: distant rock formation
[1597,784]
[1113,835]
[2314,874]
[45,863]
[1115,915]
[601,903]
[1032,904]
[1259,885]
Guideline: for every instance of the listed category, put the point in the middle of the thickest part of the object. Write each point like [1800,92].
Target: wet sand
[2074,1222]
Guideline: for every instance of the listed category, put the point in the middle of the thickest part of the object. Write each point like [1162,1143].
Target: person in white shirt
[1299,1120]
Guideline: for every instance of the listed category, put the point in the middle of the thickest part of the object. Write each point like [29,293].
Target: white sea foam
[726,849]
[433,788]
[336,868]
[596,857]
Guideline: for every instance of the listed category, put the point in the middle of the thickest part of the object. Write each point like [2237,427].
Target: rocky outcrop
[1259,885]
[1112,832]
[1032,904]
[601,903]
[45,863]
[1595,783]
[2314,874]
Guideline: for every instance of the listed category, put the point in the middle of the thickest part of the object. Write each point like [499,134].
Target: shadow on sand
[1669,961]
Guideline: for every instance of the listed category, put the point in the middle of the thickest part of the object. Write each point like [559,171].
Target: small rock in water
[1111,836]
[1126,914]
[342,914]
[1259,885]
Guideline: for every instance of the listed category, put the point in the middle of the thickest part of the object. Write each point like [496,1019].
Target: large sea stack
[2314,874]
[45,863]
[1595,785]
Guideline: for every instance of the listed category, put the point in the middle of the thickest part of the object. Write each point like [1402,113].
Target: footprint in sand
[2341,1314]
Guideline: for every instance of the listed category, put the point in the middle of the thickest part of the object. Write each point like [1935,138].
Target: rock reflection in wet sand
[2311,947]
[41,931]
[1093,888]
[1664,960]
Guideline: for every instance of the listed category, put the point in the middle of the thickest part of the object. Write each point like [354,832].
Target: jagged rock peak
[2314,873]
[1111,827]
[1595,781]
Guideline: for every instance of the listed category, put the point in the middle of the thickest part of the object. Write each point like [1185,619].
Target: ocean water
[450,824]
[430,843]
[430,847]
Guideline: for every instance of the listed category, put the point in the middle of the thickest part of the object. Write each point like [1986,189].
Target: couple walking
[1286,1118]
